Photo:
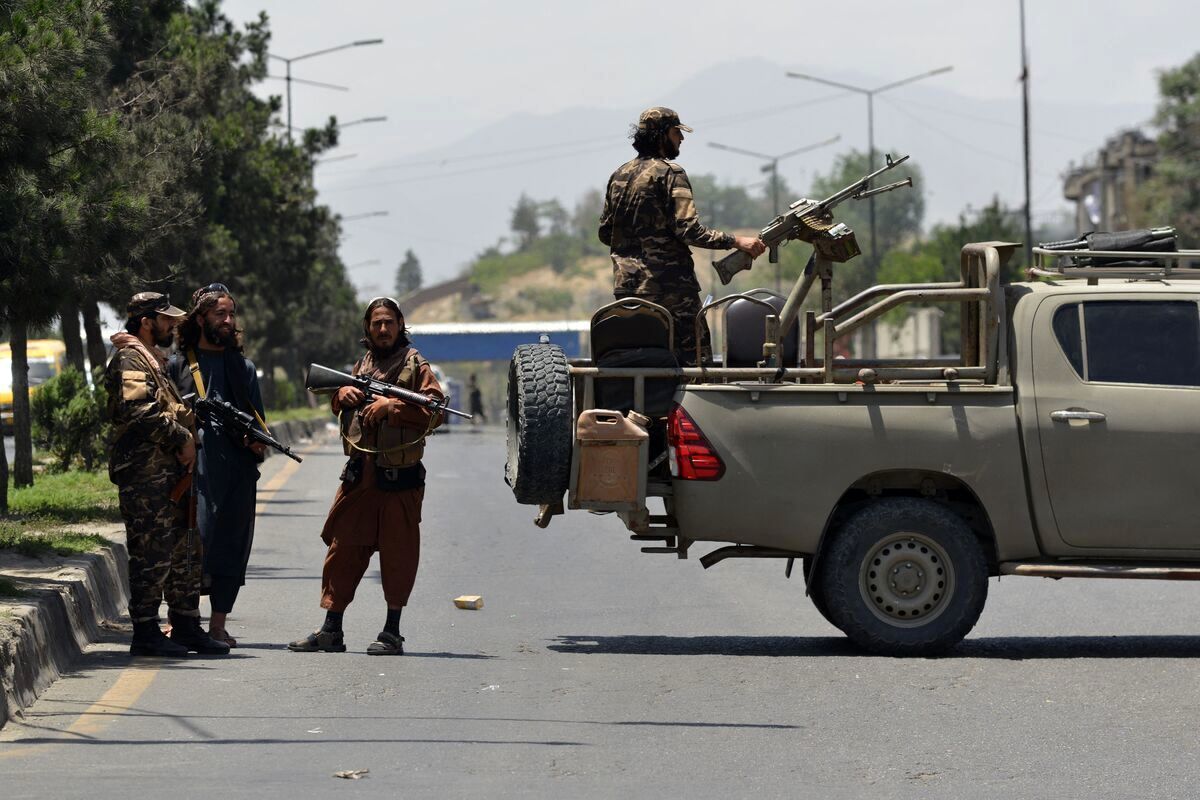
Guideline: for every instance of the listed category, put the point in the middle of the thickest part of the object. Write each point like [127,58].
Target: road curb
[68,603]
[44,632]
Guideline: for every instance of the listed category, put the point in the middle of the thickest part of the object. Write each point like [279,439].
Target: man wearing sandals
[210,364]
[650,223]
[377,507]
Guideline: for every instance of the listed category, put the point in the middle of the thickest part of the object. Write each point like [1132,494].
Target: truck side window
[1066,330]
[1149,341]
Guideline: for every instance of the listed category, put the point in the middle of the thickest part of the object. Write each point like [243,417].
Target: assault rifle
[323,380]
[810,221]
[238,424]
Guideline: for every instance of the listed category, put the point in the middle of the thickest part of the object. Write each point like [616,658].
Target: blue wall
[442,347]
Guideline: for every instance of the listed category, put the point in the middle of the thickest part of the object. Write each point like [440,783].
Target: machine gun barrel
[323,380]
[792,225]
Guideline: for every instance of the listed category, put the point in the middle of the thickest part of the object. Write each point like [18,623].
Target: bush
[286,395]
[69,419]
[547,298]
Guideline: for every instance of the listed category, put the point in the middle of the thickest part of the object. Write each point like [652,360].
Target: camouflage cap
[144,303]
[660,118]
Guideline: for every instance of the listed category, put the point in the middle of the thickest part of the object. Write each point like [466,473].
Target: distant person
[650,223]
[210,364]
[475,398]
[153,448]
[377,507]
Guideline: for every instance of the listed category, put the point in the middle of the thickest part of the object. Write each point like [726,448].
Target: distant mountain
[450,203]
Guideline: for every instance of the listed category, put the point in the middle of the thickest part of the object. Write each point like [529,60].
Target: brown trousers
[365,520]
[345,565]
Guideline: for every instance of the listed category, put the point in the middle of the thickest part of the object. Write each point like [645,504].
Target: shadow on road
[994,647]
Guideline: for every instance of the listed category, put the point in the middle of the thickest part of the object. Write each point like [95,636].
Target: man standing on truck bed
[650,222]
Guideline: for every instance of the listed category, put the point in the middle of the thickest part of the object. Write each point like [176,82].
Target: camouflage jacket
[650,222]
[149,422]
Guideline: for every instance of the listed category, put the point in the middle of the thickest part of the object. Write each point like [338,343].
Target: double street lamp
[870,93]
[288,77]
[772,168]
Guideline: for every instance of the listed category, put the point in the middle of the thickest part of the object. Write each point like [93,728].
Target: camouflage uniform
[650,223]
[150,425]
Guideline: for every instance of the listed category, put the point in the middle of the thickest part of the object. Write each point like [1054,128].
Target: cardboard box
[473,602]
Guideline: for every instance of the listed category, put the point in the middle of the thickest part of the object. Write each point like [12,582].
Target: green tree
[1173,193]
[525,223]
[51,137]
[557,219]
[585,219]
[408,274]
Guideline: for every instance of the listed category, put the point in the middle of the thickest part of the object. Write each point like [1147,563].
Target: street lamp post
[870,93]
[288,76]
[772,168]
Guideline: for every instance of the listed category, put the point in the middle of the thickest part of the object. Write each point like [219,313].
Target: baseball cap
[662,118]
[152,303]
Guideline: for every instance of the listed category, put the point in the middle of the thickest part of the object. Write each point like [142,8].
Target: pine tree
[408,275]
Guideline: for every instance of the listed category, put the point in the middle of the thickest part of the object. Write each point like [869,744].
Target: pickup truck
[1059,443]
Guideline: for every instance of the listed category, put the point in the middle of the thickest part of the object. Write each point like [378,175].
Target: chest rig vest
[391,446]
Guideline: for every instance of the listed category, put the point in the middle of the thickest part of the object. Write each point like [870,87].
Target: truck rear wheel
[815,592]
[904,577]
[539,424]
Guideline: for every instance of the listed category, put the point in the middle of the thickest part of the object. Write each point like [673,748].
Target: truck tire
[815,592]
[539,424]
[904,577]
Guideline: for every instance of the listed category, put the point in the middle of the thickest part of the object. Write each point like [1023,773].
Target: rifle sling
[374,451]
[194,366]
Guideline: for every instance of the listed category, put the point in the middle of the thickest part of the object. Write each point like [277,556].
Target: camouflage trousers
[684,307]
[164,560]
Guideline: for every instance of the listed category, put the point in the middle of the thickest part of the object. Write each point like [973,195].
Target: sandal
[386,644]
[221,635]
[319,641]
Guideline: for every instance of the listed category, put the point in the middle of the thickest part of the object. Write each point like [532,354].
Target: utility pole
[772,168]
[1025,122]
[288,73]
[870,94]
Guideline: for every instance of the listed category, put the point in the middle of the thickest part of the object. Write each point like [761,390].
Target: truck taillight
[691,457]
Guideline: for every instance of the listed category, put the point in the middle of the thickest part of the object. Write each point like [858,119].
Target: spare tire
[539,424]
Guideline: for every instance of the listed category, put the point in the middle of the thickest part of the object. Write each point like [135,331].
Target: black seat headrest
[624,329]
[745,330]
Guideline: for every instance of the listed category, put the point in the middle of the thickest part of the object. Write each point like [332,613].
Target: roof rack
[1065,264]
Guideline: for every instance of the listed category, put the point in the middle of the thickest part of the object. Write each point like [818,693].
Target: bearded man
[152,450]
[650,224]
[377,507]
[210,364]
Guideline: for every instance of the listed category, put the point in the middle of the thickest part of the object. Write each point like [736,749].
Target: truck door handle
[1066,415]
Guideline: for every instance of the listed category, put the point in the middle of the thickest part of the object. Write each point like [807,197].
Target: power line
[993,121]
[471,171]
[968,145]
[711,122]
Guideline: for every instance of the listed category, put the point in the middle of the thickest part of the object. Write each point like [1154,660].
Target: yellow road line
[136,679]
[272,487]
[119,698]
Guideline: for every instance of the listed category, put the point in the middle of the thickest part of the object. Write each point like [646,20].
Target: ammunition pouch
[352,472]
[399,479]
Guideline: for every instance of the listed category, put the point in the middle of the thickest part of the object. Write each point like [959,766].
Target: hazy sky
[448,68]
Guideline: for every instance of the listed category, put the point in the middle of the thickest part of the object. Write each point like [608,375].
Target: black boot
[149,640]
[187,631]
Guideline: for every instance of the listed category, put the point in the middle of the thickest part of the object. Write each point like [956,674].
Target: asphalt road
[596,671]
